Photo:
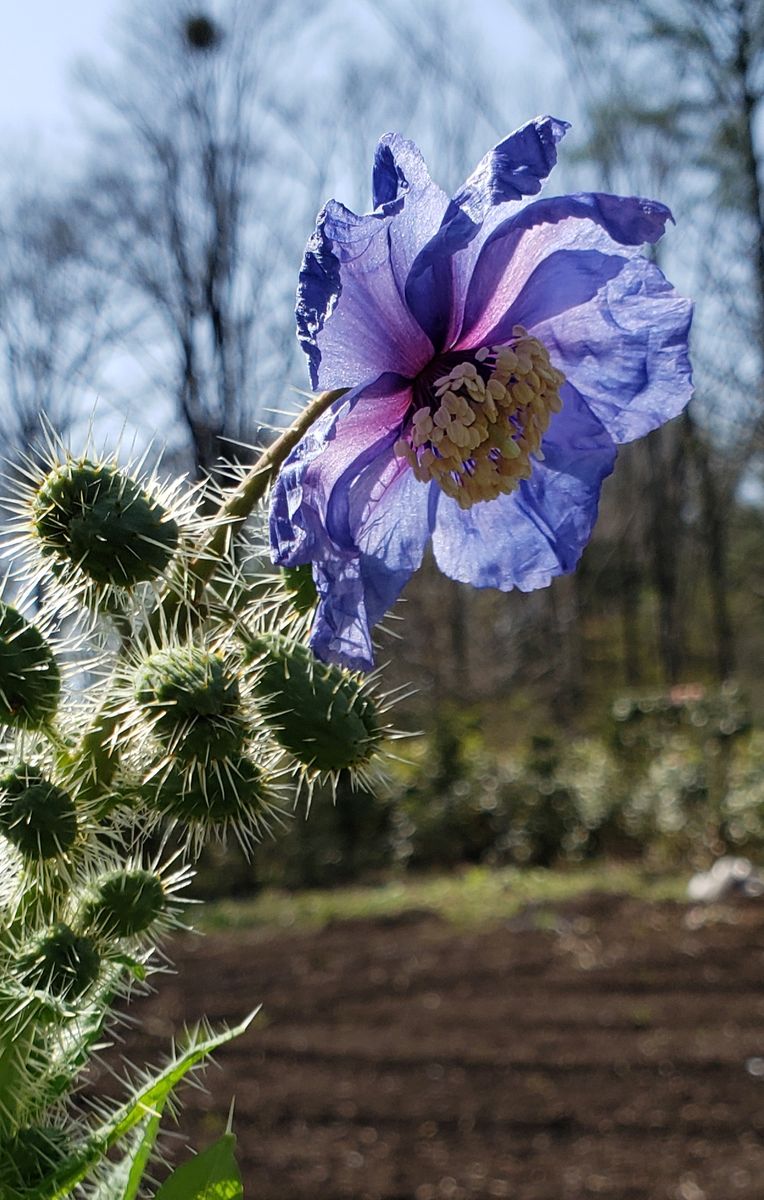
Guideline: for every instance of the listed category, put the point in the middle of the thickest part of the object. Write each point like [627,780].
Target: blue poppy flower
[495,352]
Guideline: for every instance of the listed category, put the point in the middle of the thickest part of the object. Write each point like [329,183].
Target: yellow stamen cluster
[477,443]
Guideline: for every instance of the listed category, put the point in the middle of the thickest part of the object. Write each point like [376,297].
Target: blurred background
[162,166]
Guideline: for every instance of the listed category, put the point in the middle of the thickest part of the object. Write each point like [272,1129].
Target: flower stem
[240,501]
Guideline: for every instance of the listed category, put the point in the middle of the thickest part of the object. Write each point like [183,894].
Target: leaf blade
[212,1175]
[148,1102]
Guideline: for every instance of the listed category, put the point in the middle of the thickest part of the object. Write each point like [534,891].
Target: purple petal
[354,594]
[515,168]
[354,272]
[335,449]
[382,511]
[378,520]
[398,170]
[381,517]
[564,280]
[518,246]
[341,631]
[525,539]
[626,351]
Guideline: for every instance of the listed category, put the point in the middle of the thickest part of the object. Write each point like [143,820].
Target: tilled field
[610,1048]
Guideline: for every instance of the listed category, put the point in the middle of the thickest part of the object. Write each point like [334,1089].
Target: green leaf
[138,1157]
[211,1175]
[147,1102]
[121,1180]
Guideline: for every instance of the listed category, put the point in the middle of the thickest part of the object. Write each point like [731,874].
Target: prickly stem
[241,501]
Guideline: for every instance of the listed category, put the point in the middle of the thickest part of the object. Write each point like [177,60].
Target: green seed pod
[60,962]
[94,518]
[298,582]
[233,792]
[123,903]
[30,681]
[321,714]
[36,816]
[32,1154]
[193,702]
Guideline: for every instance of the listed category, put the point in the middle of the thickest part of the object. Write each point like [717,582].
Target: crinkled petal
[354,594]
[565,279]
[527,538]
[335,451]
[588,222]
[291,542]
[398,170]
[626,350]
[341,630]
[352,319]
[380,523]
[439,275]
[381,511]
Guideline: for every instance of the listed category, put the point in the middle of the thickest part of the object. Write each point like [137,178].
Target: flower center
[487,417]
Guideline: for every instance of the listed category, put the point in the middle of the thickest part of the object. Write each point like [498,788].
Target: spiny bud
[32,1154]
[123,903]
[36,816]
[94,518]
[30,681]
[231,794]
[60,962]
[321,714]
[193,701]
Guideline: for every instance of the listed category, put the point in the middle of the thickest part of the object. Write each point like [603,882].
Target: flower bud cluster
[211,703]
[66,953]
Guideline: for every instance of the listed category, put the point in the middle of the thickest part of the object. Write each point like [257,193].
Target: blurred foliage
[335,838]
[472,897]
[673,780]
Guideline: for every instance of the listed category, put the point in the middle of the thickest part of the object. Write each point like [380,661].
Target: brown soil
[609,1049]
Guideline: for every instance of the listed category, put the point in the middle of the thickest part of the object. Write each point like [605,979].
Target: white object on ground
[729,876]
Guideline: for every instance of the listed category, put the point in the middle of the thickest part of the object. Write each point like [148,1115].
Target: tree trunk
[715,543]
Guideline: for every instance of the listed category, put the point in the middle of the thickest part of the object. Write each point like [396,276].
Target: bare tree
[190,195]
[57,318]
[670,91]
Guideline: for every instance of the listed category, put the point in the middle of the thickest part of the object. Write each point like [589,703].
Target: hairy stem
[240,502]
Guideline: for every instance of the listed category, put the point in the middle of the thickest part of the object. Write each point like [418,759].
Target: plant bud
[92,517]
[230,793]
[123,903]
[321,714]
[32,1154]
[60,962]
[36,816]
[30,681]
[193,702]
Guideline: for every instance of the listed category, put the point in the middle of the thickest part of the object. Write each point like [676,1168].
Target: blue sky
[40,40]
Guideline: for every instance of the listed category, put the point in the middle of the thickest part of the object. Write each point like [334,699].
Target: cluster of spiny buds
[155,683]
